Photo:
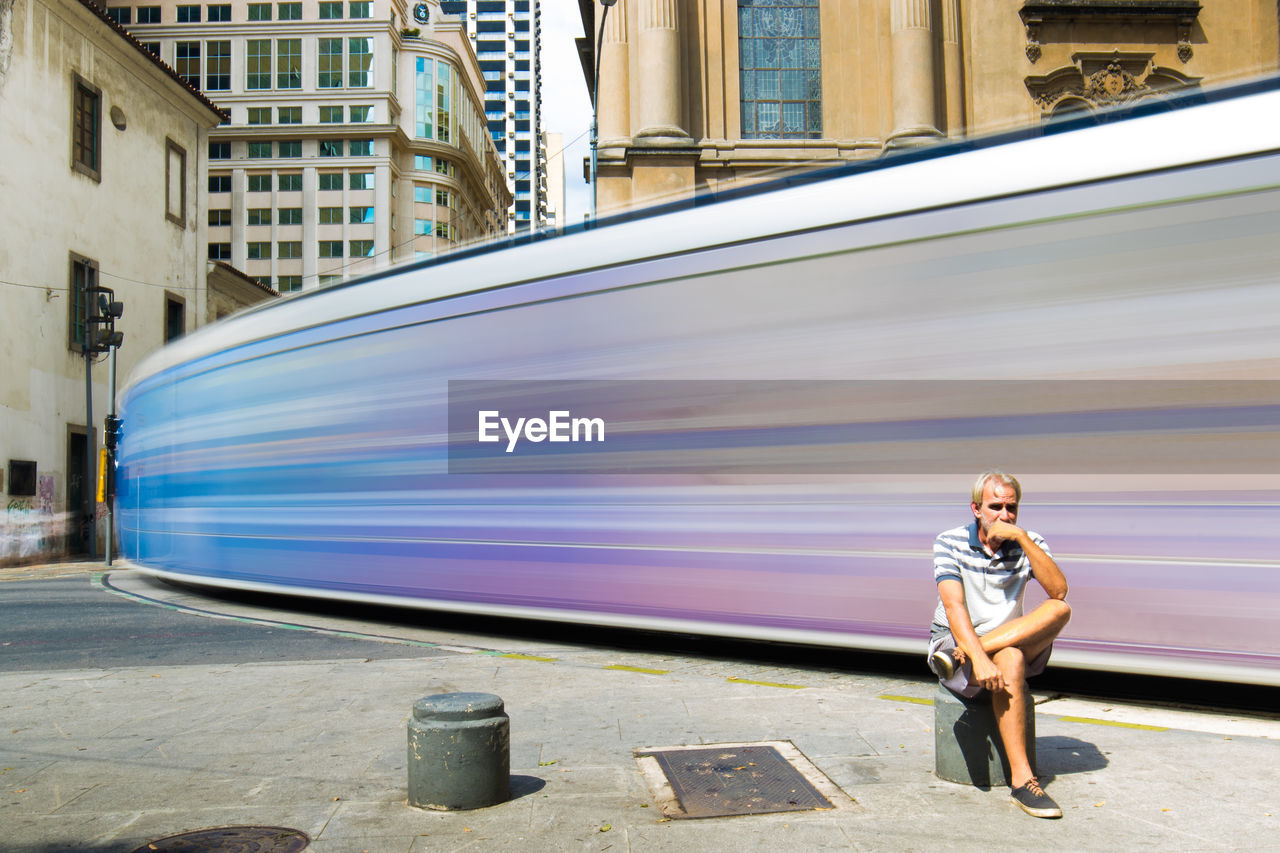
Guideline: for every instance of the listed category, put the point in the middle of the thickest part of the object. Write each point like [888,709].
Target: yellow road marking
[737,680]
[912,699]
[515,656]
[1114,723]
[638,669]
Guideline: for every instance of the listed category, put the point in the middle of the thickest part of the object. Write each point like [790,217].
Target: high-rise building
[507,35]
[357,133]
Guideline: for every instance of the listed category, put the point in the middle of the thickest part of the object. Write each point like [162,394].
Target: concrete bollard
[459,752]
[967,745]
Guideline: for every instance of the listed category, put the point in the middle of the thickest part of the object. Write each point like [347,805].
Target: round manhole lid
[231,839]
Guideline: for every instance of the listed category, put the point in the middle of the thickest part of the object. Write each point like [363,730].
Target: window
[288,250]
[219,150]
[361,215]
[84,275]
[361,9]
[443,96]
[330,180]
[122,15]
[361,115]
[257,251]
[422,227]
[289,216]
[289,115]
[219,218]
[257,63]
[360,53]
[86,124]
[331,215]
[361,248]
[779,57]
[422,162]
[330,148]
[289,283]
[424,98]
[444,167]
[360,147]
[259,11]
[329,63]
[188,14]
[148,14]
[330,11]
[445,199]
[220,13]
[219,183]
[259,115]
[260,183]
[289,12]
[153,47]
[422,194]
[330,248]
[290,148]
[258,150]
[290,182]
[220,251]
[217,77]
[187,62]
[288,63]
[361,181]
[331,115]
[445,230]
[175,316]
[259,215]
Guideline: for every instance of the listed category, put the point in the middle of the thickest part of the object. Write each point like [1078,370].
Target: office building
[357,136]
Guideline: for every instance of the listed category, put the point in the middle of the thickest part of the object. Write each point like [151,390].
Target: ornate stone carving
[1095,81]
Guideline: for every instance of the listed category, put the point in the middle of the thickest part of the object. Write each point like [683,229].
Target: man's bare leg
[1010,709]
[1032,632]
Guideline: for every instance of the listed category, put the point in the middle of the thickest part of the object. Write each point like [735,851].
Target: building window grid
[186,56]
[220,13]
[86,139]
[359,63]
[780,70]
[257,64]
[217,66]
[329,64]
[289,64]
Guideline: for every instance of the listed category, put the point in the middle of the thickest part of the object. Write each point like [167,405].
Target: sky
[566,107]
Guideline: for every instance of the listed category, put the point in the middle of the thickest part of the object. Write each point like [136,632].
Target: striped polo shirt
[994,584]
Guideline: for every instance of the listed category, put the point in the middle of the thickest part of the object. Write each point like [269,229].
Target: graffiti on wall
[32,527]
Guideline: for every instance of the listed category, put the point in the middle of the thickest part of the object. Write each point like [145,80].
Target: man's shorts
[959,682]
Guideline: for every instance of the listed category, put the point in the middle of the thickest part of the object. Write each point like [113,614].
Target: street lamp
[595,105]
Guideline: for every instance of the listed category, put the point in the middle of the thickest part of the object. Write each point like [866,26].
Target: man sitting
[980,637]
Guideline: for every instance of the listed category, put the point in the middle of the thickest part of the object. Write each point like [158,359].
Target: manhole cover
[231,839]
[734,779]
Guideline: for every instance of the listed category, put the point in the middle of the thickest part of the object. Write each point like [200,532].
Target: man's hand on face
[1002,531]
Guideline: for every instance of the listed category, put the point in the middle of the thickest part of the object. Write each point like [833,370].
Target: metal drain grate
[231,839]
[733,779]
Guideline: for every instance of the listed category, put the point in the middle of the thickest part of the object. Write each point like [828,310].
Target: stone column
[911,41]
[952,68]
[660,82]
[614,89]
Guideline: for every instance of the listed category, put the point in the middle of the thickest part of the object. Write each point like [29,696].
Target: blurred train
[750,415]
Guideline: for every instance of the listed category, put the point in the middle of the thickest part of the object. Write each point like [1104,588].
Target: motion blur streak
[306,447]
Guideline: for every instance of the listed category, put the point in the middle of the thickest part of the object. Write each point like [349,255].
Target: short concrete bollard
[967,745]
[459,752]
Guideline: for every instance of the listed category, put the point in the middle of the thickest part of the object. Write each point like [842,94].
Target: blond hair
[995,474]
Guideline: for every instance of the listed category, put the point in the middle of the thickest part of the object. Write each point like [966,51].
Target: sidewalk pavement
[106,760]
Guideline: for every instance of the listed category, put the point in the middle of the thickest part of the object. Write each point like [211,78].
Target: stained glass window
[780,68]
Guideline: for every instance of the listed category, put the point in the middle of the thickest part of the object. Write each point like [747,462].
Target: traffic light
[100,324]
[111,432]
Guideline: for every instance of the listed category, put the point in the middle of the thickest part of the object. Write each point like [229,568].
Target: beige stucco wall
[50,211]
[960,65]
